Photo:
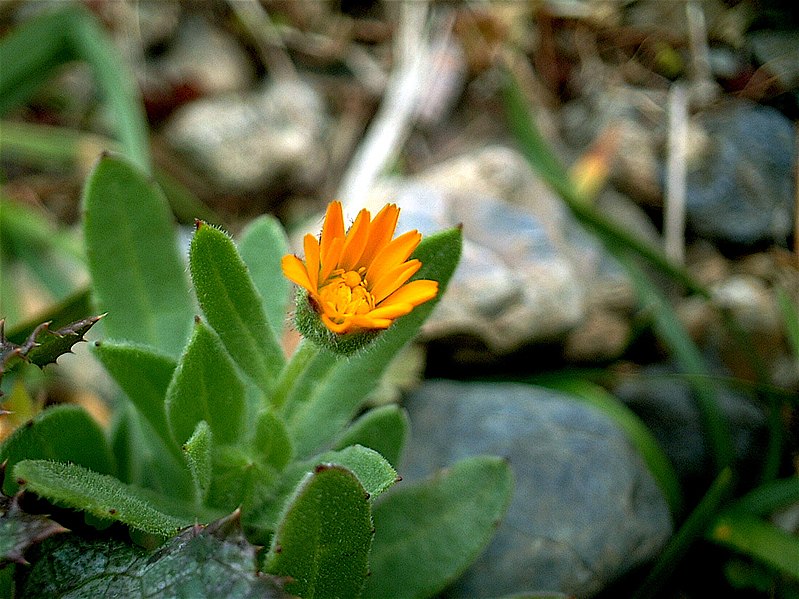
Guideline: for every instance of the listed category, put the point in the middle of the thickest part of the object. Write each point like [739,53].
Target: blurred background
[623,324]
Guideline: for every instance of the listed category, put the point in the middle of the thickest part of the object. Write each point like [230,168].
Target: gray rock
[740,187]
[529,272]
[585,509]
[243,142]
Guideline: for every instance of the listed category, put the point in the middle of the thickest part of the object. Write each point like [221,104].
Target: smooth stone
[585,509]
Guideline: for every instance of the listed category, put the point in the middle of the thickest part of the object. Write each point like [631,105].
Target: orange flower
[358,280]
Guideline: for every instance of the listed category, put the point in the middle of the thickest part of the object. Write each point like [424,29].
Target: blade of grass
[687,354]
[620,242]
[692,529]
[769,497]
[791,317]
[28,56]
[617,239]
[761,540]
[543,160]
[33,53]
[45,145]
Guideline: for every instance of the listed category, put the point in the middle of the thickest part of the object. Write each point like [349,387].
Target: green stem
[305,352]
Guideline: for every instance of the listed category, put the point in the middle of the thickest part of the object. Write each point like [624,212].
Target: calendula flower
[359,280]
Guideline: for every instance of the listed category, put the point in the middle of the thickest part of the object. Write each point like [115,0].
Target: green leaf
[144,375]
[19,530]
[33,238]
[639,435]
[212,561]
[198,451]
[123,432]
[272,441]
[101,495]
[145,460]
[384,429]
[373,471]
[323,539]
[262,244]
[63,432]
[131,248]
[758,539]
[232,305]
[206,386]
[428,533]
[238,479]
[314,421]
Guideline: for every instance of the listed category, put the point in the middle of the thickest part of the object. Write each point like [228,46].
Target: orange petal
[330,259]
[335,327]
[367,321]
[391,312]
[312,260]
[393,254]
[393,279]
[295,271]
[356,240]
[414,293]
[333,227]
[380,232]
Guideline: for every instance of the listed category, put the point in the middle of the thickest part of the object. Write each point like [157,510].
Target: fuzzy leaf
[262,244]
[212,561]
[144,375]
[63,432]
[238,480]
[370,468]
[19,530]
[131,248]
[384,429]
[198,450]
[314,422]
[232,305]
[100,495]
[323,539]
[272,441]
[428,533]
[207,387]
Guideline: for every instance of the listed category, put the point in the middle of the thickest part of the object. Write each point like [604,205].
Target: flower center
[345,294]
